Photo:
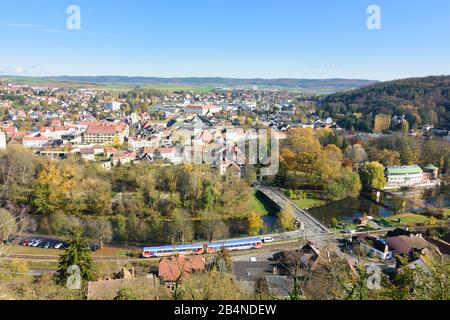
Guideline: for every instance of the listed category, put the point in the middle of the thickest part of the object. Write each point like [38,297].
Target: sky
[226,38]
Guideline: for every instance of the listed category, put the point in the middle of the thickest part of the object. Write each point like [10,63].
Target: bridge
[313,229]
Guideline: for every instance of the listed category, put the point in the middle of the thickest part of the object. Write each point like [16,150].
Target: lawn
[14,248]
[447,212]
[308,203]
[260,204]
[104,252]
[312,199]
[405,218]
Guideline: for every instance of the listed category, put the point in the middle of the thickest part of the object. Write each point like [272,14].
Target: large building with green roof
[404,176]
[409,176]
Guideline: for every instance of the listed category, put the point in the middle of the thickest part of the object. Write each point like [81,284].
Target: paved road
[313,229]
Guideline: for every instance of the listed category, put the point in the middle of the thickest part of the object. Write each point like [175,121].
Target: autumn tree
[8,224]
[372,175]
[404,126]
[180,228]
[212,227]
[286,218]
[97,199]
[254,223]
[356,153]
[382,123]
[99,229]
[18,170]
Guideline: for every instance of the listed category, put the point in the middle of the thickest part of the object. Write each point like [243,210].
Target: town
[208,159]
[157,131]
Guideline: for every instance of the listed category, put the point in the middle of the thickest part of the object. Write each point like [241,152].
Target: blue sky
[230,38]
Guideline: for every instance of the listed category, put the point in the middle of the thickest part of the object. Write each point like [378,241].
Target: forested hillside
[423,101]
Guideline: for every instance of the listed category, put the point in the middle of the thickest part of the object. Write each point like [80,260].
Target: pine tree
[77,254]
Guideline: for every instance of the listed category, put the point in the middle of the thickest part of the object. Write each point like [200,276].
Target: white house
[113,106]
[377,248]
[35,142]
[138,143]
[202,110]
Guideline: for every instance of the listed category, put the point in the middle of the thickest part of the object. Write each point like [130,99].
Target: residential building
[106,132]
[113,106]
[87,154]
[172,269]
[138,143]
[35,142]
[404,244]
[202,110]
[377,247]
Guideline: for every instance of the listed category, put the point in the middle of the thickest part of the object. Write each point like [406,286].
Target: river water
[349,209]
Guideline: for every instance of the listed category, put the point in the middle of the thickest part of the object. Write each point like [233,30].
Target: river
[349,209]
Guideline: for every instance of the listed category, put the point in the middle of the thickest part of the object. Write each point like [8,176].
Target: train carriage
[232,245]
[164,251]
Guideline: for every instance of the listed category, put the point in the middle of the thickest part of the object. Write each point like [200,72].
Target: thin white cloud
[74,32]
[23,25]
[48,29]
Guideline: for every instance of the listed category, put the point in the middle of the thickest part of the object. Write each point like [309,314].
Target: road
[313,229]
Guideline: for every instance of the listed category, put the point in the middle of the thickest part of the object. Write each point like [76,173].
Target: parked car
[32,242]
[58,245]
[41,244]
[36,243]
[268,239]
[24,242]
[94,248]
[47,245]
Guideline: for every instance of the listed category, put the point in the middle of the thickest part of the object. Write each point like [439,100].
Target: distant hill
[321,86]
[421,100]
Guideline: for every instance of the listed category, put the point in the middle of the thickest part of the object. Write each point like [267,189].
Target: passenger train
[200,248]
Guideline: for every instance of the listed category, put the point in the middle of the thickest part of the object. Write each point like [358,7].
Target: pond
[416,201]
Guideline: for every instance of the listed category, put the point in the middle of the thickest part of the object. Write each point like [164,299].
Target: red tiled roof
[404,244]
[106,128]
[35,138]
[171,268]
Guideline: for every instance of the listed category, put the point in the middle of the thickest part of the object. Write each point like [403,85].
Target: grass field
[112,87]
[311,200]
[308,203]
[104,252]
[261,205]
[405,218]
